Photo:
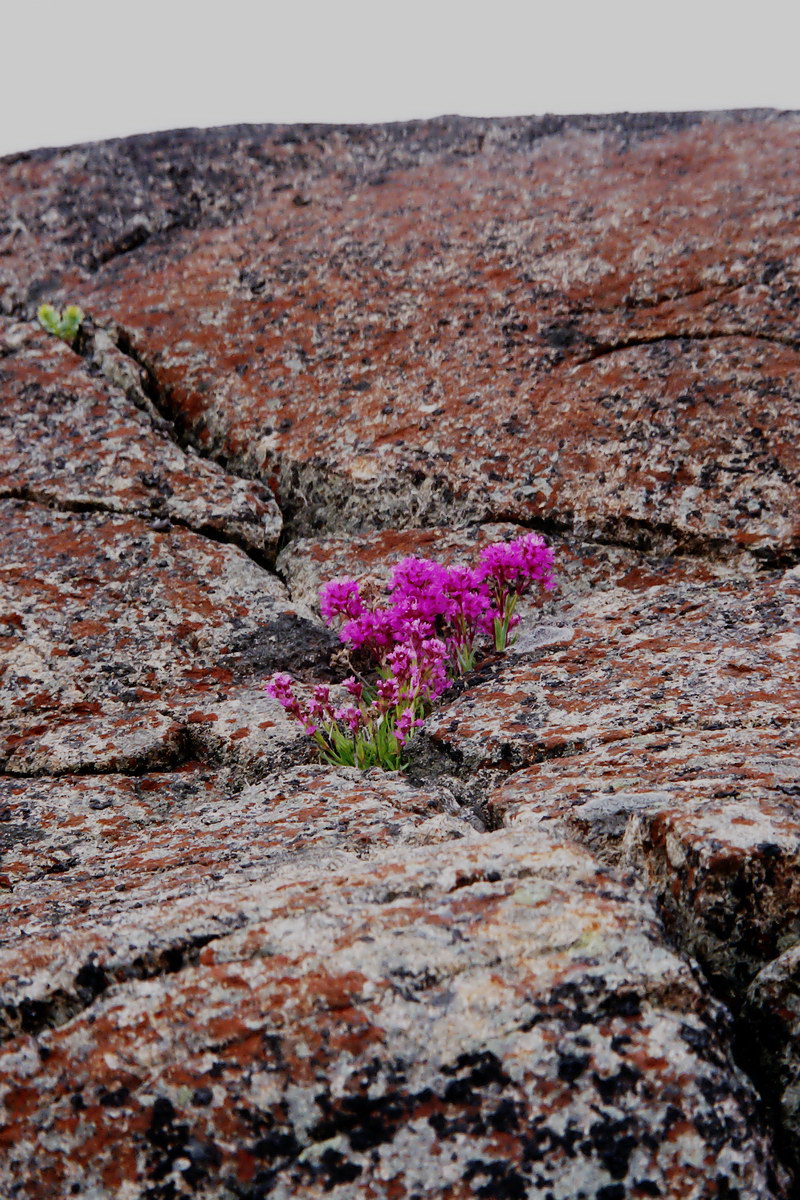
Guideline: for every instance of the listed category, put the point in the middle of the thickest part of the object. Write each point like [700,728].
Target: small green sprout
[62,325]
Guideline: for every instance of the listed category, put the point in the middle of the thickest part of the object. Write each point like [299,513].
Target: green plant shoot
[62,325]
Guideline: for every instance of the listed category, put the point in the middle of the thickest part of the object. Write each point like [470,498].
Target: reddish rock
[401,1030]
[725,873]
[459,319]
[771,1018]
[666,652]
[595,794]
[113,877]
[117,633]
[417,339]
[69,440]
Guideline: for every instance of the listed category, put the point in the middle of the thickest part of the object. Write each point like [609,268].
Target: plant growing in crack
[430,630]
[65,325]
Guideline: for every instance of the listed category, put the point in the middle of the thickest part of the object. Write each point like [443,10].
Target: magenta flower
[340,597]
[512,565]
[280,686]
[372,631]
[508,569]
[404,725]
[354,686]
[388,691]
[350,716]
[428,631]
[417,577]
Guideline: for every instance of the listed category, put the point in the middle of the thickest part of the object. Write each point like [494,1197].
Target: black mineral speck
[572,1066]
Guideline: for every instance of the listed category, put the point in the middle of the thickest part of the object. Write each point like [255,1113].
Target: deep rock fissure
[622,532]
[60,504]
[34,1016]
[739,1044]
[180,433]
[604,349]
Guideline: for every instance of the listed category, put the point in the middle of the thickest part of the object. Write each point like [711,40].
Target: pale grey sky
[93,69]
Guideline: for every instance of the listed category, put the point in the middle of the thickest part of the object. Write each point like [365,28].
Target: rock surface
[393,1031]
[68,440]
[534,966]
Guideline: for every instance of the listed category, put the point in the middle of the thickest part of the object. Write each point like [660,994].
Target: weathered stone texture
[69,440]
[229,972]
[104,871]
[771,1016]
[394,344]
[726,873]
[596,793]
[115,631]
[402,1031]
[673,649]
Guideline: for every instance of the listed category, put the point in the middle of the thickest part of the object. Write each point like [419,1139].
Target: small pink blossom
[354,686]
[280,687]
[351,716]
[340,597]
[405,723]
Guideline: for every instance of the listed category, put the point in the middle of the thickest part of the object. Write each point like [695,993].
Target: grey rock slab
[596,793]
[482,1017]
[771,1019]
[108,877]
[683,650]
[725,873]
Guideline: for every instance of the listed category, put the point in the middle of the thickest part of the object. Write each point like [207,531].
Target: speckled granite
[557,958]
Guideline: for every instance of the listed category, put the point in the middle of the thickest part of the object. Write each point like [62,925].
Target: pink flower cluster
[457,604]
[425,635]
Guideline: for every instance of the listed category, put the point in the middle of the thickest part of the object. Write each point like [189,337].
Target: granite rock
[227,971]
[70,441]
[595,794]
[116,635]
[393,346]
[771,1015]
[682,647]
[495,1018]
[725,873]
[114,877]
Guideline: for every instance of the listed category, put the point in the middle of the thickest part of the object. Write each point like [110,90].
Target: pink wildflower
[350,716]
[404,725]
[510,566]
[388,691]
[340,597]
[280,686]
[417,577]
[372,631]
[424,635]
